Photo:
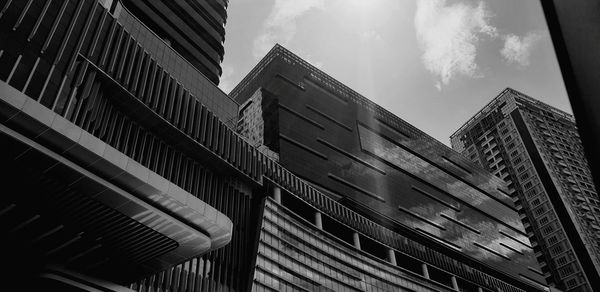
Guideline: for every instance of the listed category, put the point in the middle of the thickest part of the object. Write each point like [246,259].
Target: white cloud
[226,84]
[518,50]
[280,25]
[448,36]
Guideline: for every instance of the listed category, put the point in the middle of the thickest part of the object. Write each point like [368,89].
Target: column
[318,220]
[454,283]
[425,270]
[356,240]
[392,257]
[277,194]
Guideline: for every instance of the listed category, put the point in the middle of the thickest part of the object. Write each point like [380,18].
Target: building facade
[536,149]
[398,210]
[113,153]
[195,29]
[122,168]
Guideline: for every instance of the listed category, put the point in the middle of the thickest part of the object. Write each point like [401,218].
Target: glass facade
[463,218]
[372,161]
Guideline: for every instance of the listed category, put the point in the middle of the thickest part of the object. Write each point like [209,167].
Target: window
[556,250]
[561,260]
[547,230]
[552,240]
[528,185]
[571,283]
[566,271]
[540,211]
[544,220]
[531,193]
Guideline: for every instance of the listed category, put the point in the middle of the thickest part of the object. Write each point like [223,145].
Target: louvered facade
[117,159]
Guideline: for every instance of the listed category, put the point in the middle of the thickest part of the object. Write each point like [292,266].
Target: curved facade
[105,187]
[293,255]
[194,28]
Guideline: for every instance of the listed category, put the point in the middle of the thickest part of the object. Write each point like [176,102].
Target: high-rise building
[535,148]
[383,206]
[193,28]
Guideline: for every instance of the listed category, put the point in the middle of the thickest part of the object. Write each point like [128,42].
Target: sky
[433,63]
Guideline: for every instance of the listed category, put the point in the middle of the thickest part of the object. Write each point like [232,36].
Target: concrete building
[536,149]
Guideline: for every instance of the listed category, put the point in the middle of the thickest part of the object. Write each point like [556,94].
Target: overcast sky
[433,63]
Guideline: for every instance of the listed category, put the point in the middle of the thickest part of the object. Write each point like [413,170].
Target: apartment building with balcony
[536,149]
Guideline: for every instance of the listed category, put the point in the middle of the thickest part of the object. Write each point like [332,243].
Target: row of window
[428,255]
[110,48]
[323,261]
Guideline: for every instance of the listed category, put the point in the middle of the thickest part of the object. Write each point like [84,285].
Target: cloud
[280,25]
[517,50]
[226,84]
[448,36]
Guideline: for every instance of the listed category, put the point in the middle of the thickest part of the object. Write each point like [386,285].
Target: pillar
[392,257]
[356,240]
[318,220]
[425,270]
[277,194]
[454,283]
